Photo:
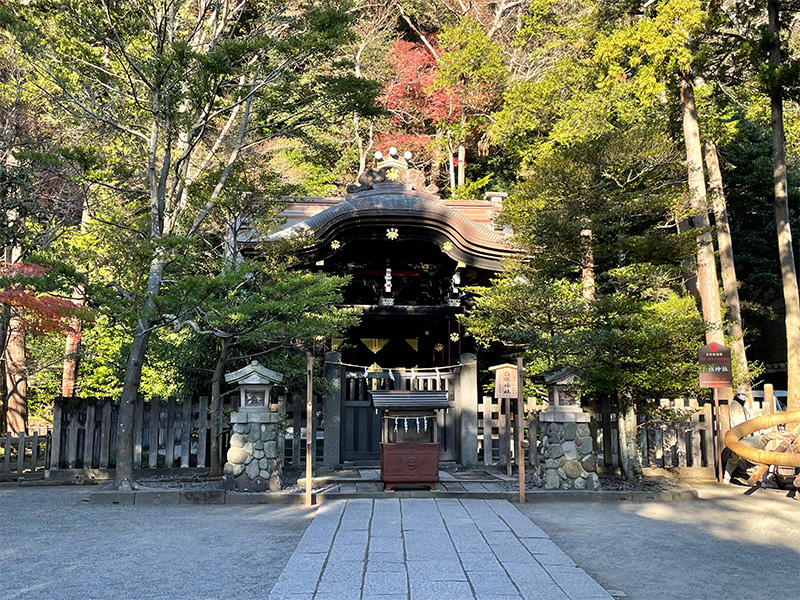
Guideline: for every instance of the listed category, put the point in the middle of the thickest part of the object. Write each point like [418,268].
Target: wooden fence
[166,434]
[685,446]
[294,454]
[25,456]
[174,434]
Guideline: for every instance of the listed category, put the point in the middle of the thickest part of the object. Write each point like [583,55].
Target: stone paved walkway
[420,549]
[366,481]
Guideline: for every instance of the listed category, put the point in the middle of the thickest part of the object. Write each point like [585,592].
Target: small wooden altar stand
[409,436]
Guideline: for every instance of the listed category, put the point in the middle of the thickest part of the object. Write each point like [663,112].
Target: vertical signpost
[507,385]
[311,436]
[714,361]
[520,430]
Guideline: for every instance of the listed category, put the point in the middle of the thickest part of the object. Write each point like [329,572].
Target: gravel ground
[54,545]
[734,543]
[731,544]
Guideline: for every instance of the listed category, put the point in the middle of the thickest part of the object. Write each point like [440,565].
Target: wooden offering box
[406,462]
[409,446]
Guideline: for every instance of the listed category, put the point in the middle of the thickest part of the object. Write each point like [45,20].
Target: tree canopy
[137,135]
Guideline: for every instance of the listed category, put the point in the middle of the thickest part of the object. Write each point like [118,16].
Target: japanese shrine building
[409,254]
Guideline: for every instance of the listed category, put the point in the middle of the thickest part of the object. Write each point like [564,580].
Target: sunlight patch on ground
[766,517]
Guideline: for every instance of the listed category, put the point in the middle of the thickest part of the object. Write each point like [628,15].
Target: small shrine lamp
[255,383]
[562,394]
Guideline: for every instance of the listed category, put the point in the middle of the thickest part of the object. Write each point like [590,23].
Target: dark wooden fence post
[55,452]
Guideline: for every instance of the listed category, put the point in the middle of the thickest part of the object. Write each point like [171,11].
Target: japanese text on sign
[714,361]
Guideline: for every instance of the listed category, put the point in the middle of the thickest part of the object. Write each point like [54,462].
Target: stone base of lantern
[254,463]
[568,458]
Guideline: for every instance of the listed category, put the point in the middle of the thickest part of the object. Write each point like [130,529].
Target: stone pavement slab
[419,549]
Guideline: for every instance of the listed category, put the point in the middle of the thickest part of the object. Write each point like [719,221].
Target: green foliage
[474,189]
[628,345]
[472,63]
[624,185]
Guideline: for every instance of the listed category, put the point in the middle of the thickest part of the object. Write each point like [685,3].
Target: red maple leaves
[38,313]
[413,97]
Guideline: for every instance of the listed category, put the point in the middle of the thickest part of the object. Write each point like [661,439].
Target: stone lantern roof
[561,375]
[254,374]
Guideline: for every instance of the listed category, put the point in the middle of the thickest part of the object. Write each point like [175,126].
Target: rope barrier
[733,435]
[413,370]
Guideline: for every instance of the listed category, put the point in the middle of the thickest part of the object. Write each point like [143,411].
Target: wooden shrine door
[361,427]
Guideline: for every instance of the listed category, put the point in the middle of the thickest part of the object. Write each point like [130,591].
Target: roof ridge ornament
[392,173]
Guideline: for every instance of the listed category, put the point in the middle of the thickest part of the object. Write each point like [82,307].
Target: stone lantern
[567,445]
[253,459]
[562,395]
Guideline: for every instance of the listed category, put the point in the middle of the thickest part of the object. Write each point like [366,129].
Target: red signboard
[715,366]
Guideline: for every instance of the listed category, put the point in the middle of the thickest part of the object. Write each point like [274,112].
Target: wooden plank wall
[25,456]
[167,433]
[665,445]
[294,409]
[496,418]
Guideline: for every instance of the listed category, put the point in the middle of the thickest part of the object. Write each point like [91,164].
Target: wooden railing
[166,434]
[24,456]
[665,444]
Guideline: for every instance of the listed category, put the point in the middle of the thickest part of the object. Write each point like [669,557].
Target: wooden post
[487,431]
[21,451]
[507,442]
[186,431]
[309,428]
[769,399]
[202,431]
[520,432]
[169,443]
[155,425]
[105,435]
[697,453]
[55,450]
[35,450]
[718,431]
[7,453]
[138,431]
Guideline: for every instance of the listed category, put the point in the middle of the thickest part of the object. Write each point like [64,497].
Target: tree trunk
[462,165]
[3,392]
[452,168]
[629,458]
[791,298]
[123,479]
[587,268]
[436,163]
[707,282]
[16,376]
[72,349]
[729,283]
[72,346]
[216,406]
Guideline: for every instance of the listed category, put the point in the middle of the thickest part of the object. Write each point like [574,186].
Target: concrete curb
[187,497]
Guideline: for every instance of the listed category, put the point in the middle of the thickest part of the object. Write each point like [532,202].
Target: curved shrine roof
[391,197]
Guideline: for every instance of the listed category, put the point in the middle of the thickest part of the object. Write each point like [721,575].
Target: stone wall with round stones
[569,461]
[253,463]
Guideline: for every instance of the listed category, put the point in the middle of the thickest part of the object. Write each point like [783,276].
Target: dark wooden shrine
[409,437]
